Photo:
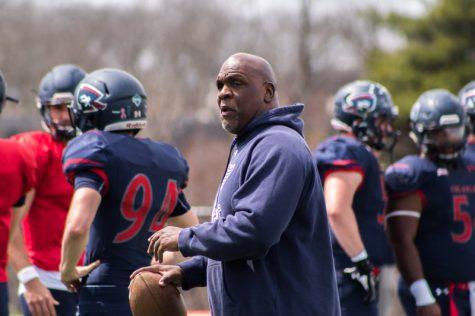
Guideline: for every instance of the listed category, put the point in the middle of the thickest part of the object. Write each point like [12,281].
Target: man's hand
[71,278]
[429,310]
[170,274]
[39,299]
[365,275]
[163,240]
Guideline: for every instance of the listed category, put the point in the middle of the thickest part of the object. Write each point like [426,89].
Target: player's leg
[3,299]
[388,300]
[24,306]
[67,302]
[351,298]
[407,300]
[459,298]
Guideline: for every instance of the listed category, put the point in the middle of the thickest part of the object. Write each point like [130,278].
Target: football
[148,298]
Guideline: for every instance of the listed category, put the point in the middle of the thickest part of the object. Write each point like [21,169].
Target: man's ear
[270,92]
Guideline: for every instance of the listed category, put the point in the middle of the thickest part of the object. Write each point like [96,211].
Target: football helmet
[56,89]
[3,93]
[438,125]
[365,108]
[467,99]
[109,100]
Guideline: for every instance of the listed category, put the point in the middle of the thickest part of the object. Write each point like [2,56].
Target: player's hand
[163,240]
[71,278]
[170,274]
[366,276]
[429,310]
[39,299]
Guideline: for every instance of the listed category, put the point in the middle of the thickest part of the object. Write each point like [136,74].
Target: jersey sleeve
[84,161]
[182,205]
[89,179]
[338,157]
[403,178]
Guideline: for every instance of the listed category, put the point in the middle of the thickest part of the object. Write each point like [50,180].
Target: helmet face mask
[56,117]
[3,93]
[447,142]
[439,126]
[365,109]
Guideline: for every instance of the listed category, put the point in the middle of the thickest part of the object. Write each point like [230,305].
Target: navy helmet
[357,107]
[3,93]
[467,99]
[438,125]
[109,100]
[57,89]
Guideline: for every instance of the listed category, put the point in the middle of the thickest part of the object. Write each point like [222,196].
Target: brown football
[147,298]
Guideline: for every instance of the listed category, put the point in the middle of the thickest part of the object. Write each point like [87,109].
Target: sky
[409,7]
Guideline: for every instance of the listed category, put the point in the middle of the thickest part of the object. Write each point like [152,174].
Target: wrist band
[361,256]
[27,274]
[421,292]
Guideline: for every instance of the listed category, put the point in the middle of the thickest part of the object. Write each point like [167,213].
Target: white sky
[410,7]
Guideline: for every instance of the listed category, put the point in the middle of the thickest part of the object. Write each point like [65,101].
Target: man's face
[240,95]
[59,114]
[447,140]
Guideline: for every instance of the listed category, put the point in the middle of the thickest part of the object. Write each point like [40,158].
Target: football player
[467,99]
[431,210]
[37,253]
[354,192]
[17,176]
[126,188]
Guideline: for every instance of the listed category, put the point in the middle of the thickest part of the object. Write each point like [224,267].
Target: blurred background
[175,48]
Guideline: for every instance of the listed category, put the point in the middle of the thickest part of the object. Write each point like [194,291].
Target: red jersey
[17,176]
[43,225]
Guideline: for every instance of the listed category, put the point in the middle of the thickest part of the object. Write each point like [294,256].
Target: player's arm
[402,222]
[185,220]
[84,205]
[37,296]
[17,254]
[339,190]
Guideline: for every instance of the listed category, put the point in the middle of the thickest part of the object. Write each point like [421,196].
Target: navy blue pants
[448,297]
[351,298]
[68,303]
[104,301]
[3,299]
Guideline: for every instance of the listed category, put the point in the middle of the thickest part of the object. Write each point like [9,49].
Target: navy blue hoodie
[267,249]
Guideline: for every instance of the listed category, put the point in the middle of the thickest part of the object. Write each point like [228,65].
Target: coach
[267,249]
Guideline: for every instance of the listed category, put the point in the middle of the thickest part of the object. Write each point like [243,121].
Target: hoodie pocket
[220,301]
[251,291]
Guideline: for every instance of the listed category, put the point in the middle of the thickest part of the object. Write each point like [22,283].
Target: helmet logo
[123,115]
[89,99]
[449,119]
[137,100]
[360,103]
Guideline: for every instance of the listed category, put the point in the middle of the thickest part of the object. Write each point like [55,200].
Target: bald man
[267,249]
